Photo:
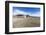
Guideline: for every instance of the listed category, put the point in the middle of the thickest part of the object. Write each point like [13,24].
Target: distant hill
[21,15]
[25,15]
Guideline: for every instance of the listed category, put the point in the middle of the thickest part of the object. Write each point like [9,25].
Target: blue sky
[26,11]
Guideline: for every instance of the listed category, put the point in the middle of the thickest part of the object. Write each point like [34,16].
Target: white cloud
[19,12]
[25,13]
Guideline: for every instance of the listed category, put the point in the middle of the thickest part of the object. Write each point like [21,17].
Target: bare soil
[26,22]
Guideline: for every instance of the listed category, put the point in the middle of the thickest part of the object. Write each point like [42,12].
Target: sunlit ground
[26,22]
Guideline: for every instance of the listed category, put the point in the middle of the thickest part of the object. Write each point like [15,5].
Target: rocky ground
[26,22]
